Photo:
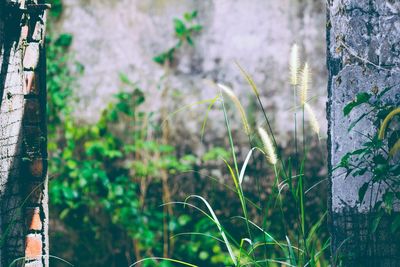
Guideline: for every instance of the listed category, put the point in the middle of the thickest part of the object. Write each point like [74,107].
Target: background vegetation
[109,181]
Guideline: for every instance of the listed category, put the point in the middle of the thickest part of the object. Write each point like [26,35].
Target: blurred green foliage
[108,178]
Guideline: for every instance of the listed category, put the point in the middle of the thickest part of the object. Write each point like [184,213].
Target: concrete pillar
[363,40]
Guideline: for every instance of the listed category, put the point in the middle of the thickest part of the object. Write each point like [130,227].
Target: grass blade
[215,218]
[164,259]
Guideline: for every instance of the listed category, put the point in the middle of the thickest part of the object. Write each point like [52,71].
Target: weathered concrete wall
[363,56]
[123,36]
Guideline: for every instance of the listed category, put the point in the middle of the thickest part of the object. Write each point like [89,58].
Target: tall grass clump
[255,240]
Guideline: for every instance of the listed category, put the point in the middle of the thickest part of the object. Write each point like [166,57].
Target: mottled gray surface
[123,36]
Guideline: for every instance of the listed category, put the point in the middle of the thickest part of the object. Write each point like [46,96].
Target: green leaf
[118,190]
[344,161]
[72,164]
[190,16]
[124,78]
[291,252]
[187,16]
[165,56]
[361,98]
[383,112]
[160,59]
[184,219]
[139,97]
[354,123]
[388,199]
[180,27]
[69,193]
[64,39]
[358,151]
[360,172]
[56,8]
[387,89]
[196,28]
[362,191]
[203,255]
[64,214]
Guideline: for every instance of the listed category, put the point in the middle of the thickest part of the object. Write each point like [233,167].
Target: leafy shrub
[104,172]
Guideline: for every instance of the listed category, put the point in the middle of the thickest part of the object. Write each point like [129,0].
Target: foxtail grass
[386,121]
[294,65]
[228,91]
[396,147]
[305,83]
[269,147]
[313,119]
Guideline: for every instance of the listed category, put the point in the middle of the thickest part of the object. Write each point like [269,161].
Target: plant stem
[295,126]
[239,189]
[301,186]
[260,203]
[304,136]
[280,198]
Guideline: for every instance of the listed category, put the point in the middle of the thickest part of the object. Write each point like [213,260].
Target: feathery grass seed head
[239,106]
[268,146]
[305,83]
[386,121]
[249,80]
[294,65]
[384,125]
[313,119]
